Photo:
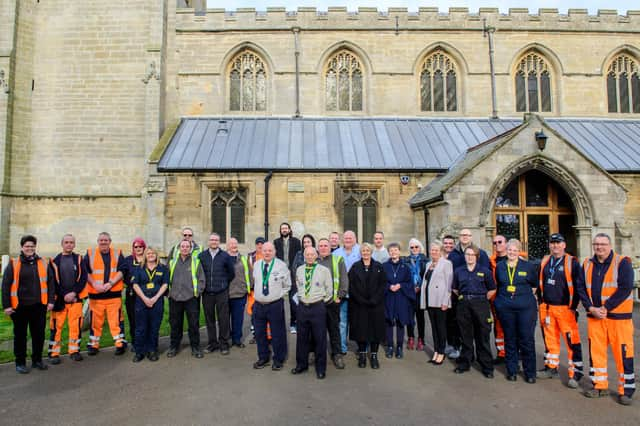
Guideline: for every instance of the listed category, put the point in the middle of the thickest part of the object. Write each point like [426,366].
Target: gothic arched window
[344,81]
[247,83]
[228,213]
[359,212]
[438,83]
[623,85]
[533,84]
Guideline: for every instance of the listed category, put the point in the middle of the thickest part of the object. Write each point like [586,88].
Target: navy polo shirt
[557,292]
[150,282]
[477,282]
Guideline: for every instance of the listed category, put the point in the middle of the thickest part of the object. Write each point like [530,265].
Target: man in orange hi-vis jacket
[606,295]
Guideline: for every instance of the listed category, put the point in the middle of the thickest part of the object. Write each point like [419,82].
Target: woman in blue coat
[399,297]
[516,307]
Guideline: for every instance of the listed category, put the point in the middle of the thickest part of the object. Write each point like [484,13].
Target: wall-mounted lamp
[541,140]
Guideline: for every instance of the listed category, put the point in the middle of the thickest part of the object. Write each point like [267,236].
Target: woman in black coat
[367,282]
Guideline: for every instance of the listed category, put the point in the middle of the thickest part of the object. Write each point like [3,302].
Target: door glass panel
[509,197]
[508,225]
[537,191]
[565,227]
[564,200]
[537,235]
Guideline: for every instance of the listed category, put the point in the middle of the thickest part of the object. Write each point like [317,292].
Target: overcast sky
[562,5]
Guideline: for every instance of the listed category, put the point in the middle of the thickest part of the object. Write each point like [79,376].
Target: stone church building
[141,117]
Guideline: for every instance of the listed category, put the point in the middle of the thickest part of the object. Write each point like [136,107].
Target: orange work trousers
[73,313]
[557,321]
[497,332]
[619,334]
[112,309]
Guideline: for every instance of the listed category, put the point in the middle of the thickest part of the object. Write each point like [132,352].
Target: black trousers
[292,305]
[312,321]
[176,321]
[373,347]
[453,330]
[474,321]
[130,306]
[438,319]
[34,317]
[419,319]
[217,306]
[333,327]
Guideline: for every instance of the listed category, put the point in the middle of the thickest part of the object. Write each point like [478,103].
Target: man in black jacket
[286,248]
[219,272]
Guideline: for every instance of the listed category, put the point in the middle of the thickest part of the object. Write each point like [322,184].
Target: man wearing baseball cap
[560,273]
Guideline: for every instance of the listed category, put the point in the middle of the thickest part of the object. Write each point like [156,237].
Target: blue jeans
[344,305]
[236,310]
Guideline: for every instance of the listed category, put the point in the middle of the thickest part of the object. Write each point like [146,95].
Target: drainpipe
[488,32]
[267,179]
[296,51]
[426,229]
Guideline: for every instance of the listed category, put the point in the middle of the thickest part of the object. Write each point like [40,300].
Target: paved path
[225,390]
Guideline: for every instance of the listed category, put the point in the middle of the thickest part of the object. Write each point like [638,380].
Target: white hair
[414,242]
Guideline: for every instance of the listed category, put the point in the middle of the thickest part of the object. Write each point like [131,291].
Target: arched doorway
[530,208]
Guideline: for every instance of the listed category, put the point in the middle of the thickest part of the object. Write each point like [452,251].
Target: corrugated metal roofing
[326,144]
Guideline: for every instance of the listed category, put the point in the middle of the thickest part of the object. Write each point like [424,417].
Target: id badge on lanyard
[511,273]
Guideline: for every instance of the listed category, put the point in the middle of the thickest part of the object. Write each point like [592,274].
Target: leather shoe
[138,357]
[530,380]
[459,370]
[120,350]
[91,351]
[488,374]
[277,366]
[362,360]
[172,352]
[374,361]
[152,356]
[76,356]
[512,377]
[39,365]
[54,360]
[197,353]
[238,345]
[321,375]
[22,369]
[261,363]
[298,370]
[338,362]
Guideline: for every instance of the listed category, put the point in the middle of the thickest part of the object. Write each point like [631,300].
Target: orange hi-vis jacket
[567,275]
[609,287]
[42,276]
[97,270]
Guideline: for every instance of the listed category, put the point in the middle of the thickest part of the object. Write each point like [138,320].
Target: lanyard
[265,279]
[552,266]
[511,273]
[150,275]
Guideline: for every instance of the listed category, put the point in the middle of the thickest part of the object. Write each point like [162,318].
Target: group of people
[367,293]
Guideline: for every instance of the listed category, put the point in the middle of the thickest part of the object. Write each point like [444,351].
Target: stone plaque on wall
[295,187]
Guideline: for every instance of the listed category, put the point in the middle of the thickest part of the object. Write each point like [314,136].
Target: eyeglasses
[187,235]
[414,247]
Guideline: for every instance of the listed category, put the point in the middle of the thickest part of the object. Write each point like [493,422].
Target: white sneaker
[454,354]
[293,329]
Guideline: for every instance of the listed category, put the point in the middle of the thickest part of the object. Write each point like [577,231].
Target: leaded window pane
[521,97]
[356,87]
[261,91]
[532,87]
[537,189]
[509,196]
[237,219]
[545,92]
[369,216]
[508,225]
[343,91]
[219,217]
[350,215]
[451,91]
[438,91]
[635,92]
[234,91]
[425,91]
[612,98]
[332,90]
[247,91]
[623,89]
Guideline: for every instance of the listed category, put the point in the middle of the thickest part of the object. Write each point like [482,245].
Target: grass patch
[6,334]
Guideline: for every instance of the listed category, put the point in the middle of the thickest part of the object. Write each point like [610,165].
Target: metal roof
[373,144]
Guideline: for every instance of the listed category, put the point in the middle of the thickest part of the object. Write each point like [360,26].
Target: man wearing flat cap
[560,274]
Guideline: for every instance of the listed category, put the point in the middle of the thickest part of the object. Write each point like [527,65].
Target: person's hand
[417,289]
[600,313]
[444,307]
[9,311]
[148,302]
[337,300]
[70,297]
[50,307]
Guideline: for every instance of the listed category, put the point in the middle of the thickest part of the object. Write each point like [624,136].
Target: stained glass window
[247,83]
[533,93]
[344,83]
[228,213]
[438,83]
[623,85]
